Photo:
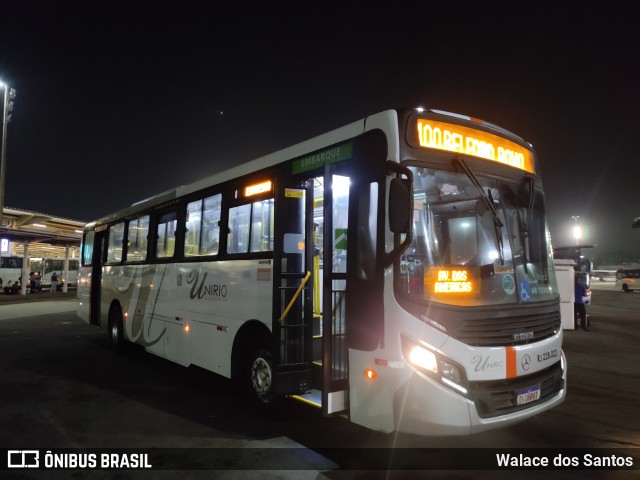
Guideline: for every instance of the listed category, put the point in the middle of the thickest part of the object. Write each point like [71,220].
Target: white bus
[628,279]
[48,266]
[57,265]
[11,270]
[397,270]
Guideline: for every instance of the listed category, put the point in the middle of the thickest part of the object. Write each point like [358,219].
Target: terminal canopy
[48,236]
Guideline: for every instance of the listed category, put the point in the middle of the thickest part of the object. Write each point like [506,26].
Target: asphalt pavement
[18,306]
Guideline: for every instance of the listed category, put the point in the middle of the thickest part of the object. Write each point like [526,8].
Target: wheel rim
[261,378]
[115,332]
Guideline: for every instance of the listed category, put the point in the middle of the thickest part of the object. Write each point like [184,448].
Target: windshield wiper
[488,200]
[532,197]
[527,223]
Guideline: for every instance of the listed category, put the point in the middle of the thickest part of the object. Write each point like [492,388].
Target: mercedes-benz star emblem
[526,362]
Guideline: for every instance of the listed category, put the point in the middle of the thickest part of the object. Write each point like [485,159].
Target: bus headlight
[423,358]
[435,365]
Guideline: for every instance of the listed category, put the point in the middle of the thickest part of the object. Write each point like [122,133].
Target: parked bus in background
[11,269]
[396,270]
[628,279]
[604,275]
[56,265]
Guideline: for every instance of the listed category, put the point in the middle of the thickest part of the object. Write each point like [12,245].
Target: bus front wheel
[626,288]
[261,375]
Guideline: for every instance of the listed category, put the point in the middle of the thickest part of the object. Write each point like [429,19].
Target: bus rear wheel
[116,328]
[261,375]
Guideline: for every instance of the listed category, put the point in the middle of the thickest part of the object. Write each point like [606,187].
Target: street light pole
[7,106]
[577,231]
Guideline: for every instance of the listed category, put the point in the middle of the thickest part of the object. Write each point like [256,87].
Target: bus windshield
[478,240]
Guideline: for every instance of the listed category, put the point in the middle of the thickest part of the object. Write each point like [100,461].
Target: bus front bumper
[423,406]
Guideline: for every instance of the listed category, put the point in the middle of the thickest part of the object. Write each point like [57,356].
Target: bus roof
[335,136]
[386,120]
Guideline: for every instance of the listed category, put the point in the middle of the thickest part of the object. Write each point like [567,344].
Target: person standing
[54,282]
[579,309]
[38,278]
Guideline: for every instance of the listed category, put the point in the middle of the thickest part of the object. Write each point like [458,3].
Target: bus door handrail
[295,296]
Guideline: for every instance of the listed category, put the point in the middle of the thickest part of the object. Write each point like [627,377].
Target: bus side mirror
[399,206]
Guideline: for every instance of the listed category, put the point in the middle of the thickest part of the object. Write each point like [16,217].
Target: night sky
[118,101]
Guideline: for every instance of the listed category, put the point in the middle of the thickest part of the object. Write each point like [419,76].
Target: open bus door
[292,306]
[331,215]
[310,282]
[96,275]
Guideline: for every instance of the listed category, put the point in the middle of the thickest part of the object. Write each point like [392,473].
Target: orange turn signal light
[371,374]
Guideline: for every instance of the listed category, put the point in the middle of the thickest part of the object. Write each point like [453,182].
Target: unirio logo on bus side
[200,289]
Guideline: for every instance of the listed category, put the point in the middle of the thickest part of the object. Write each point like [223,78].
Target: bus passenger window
[238,237]
[87,248]
[262,226]
[137,238]
[203,232]
[165,244]
[192,233]
[210,225]
[114,248]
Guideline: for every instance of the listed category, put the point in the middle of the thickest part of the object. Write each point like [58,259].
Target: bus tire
[116,328]
[261,375]
[626,288]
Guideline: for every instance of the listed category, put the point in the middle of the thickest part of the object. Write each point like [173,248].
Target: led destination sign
[257,188]
[452,281]
[468,141]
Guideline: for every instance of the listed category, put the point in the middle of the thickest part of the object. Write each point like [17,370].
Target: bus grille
[493,332]
[499,397]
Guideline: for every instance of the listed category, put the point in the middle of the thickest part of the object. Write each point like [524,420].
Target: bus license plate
[527,395]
